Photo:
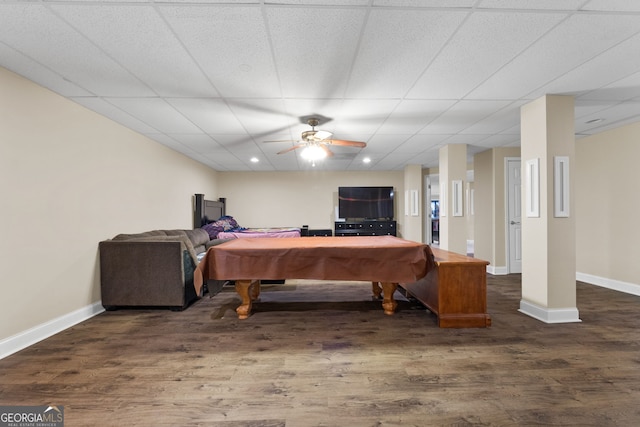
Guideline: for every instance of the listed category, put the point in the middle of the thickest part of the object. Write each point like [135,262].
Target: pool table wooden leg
[248,290]
[388,303]
[376,289]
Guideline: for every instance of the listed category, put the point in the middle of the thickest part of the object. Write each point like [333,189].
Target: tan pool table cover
[366,258]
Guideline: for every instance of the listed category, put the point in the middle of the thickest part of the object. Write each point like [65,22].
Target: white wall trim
[549,315]
[497,271]
[24,339]
[616,285]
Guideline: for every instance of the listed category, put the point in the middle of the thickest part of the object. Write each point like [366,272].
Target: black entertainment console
[365,228]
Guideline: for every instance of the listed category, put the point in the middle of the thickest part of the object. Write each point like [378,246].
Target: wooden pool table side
[455,290]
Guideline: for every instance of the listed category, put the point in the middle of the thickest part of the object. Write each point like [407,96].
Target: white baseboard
[616,285]
[497,271]
[24,339]
[549,315]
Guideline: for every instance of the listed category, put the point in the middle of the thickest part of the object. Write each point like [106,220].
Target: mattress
[260,232]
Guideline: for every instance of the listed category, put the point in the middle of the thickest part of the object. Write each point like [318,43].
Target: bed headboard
[206,211]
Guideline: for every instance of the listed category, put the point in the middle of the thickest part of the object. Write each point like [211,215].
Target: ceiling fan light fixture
[313,153]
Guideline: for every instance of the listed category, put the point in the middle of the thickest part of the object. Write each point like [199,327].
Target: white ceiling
[213,79]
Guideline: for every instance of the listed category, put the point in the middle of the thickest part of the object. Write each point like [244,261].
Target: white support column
[453,175]
[413,212]
[548,224]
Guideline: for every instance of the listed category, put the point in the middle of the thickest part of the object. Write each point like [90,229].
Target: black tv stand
[367,227]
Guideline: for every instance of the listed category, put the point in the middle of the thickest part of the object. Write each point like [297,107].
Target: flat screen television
[365,202]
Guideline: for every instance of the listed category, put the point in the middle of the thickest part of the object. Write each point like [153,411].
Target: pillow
[225,223]
[212,229]
[228,222]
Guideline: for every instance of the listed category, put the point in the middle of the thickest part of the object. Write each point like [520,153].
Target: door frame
[427,210]
[507,200]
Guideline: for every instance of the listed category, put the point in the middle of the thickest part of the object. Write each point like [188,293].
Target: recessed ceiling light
[366,160]
[254,160]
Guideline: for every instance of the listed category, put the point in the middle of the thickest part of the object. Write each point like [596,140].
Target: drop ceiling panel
[471,57]
[586,109]
[322,108]
[570,45]
[363,116]
[114,113]
[532,5]
[624,112]
[463,139]
[36,72]
[501,120]
[138,37]
[262,115]
[426,3]
[231,45]
[428,159]
[462,115]
[617,5]
[496,140]
[623,89]
[225,158]
[383,144]
[156,113]
[200,143]
[597,72]
[419,143]
[198,2]
[396,160]
[210,115]
[314,48]
[278,161]
[40,35]
[380,69]
[410,116]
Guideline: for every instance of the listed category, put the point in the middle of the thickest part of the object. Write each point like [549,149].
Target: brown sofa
[153,269]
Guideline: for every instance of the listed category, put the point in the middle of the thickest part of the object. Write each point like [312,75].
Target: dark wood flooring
[324,354]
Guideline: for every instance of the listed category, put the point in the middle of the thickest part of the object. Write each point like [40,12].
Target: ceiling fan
[316,142]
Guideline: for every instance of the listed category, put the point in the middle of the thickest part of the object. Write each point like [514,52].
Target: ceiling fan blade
[292,148]
[326,150]
[345,143]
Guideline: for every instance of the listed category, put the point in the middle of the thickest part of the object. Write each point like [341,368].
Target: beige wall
[293,199]
[71,178]
[607,202]
[484,245]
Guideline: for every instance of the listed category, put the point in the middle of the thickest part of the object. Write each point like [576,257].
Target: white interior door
[514,215]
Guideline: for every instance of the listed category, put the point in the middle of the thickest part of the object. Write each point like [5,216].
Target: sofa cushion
[139,235]
[198,236]
[185,243]
[194,240]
